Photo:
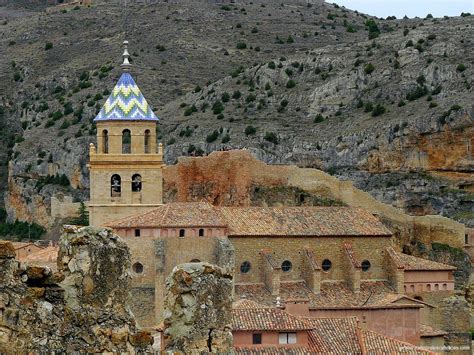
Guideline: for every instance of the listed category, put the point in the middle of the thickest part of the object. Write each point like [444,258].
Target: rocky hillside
[294,83]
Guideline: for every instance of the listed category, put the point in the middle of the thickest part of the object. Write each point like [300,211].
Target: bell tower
[126,166]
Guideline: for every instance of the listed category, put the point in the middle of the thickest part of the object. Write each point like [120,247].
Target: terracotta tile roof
[313,263]
[345,336]
[380,344]
[48,254]
[261,221]
[177,214]
[413,263]
[427,331]
[244,303]
[351,255]
[333,295]
[395,257]
[333,335]
[302,221]
[272,350]
[251,316]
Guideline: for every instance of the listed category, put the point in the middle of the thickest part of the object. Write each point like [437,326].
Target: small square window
[287,338]
[181,233]
[137,232]
[257,338]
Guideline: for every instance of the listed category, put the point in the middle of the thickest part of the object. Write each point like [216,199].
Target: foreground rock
[82,308]
[198,308]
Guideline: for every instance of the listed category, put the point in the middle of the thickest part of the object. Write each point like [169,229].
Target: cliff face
[308,89]
[81,308]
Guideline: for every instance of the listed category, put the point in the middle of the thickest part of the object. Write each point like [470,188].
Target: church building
[314,261]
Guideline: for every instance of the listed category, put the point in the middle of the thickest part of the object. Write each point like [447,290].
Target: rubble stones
[82,308]
[198,305]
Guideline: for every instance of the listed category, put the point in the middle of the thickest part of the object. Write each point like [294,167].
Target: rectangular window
[257,338]
[137,232]
[287,338]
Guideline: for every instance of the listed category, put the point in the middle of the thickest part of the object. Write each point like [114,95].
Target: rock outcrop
[81,308]
[198,310]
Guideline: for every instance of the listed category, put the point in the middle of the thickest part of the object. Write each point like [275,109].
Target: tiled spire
[126,102]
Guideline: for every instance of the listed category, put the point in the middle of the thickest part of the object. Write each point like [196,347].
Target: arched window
[286,266]
[115,186]
[105,141]
[126,141]
[428,287]
[245,267]
[201,232]
[147,141]
[137,268]
[136,183]
[326,265]
[181,233]
[365,265]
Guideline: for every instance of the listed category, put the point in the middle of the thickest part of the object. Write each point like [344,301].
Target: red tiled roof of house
[249,315]
[333,295]
[333,335]
[412,263]
[244,303]
[345,336]
[427,331]
[272,350]
[302,221]
[176,214]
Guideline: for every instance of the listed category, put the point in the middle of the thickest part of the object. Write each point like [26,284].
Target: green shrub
[401,103]
[48,46]
[241,45]
[250,98]
[250,130]
[171,141]
[350,29]
[271,65]
[212,137]
[368,107]
[65,124]
[217,107]
[271,137]
[226,138]
[378,110]
[409,44]
[460,68]
[369,68]
[197,88]
[49,123]
[290,84]
[374,30]
[416,93]
[319,118]
[16,76]
[289,72]
[225,97]
[290,39]
[190,110]
[236,94]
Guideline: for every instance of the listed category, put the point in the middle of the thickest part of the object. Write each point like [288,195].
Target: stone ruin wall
[81,308]
[198,310]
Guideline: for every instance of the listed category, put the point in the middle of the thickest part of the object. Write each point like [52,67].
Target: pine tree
[82,218]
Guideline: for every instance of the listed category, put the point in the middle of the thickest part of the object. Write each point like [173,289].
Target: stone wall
[198,310]
[230,178]
[81,308]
